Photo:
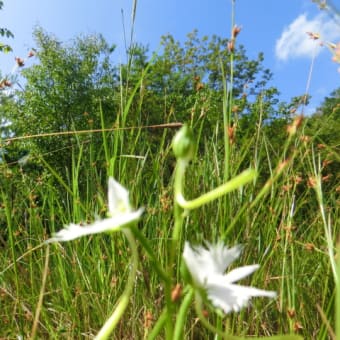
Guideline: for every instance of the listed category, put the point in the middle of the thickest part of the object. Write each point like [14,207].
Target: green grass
[281,229]
[284,218]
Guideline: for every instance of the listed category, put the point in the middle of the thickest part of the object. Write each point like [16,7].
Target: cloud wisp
[294,41]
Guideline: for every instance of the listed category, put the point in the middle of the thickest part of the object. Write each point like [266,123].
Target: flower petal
[74,231]
[230,297]
[223,256]
[203,262]
[240,273]
[207,267]
[118,198]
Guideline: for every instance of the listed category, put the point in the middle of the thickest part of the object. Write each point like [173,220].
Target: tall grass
[282,231]
[282,218]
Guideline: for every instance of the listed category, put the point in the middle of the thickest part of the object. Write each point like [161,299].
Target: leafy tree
[62,93]
[326,121]
[4,32]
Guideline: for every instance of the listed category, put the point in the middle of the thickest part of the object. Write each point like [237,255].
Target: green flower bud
[183,143]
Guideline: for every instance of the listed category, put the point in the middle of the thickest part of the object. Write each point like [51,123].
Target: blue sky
[277,28]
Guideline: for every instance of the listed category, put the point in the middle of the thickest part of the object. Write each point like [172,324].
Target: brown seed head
[176,293]
[326,162]
[199,86]
[313,35]
[305,139]
[20,62]
[205,313]
[326,178]
[31,54]
[297,326]
[309,246]
[235,31]
[311,183]
[291,313]
[336,53]
[231,134]
[148,318]
[297,179]
[231,46]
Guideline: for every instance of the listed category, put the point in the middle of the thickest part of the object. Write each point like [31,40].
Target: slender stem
[181,316]
[112,322]
[41,295]
[238,181]
[337,296]
[159,325]
[11,241]
[175,237]
[207,324]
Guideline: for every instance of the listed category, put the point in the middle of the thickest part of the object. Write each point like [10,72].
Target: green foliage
[277,217]
[63,93]
[324,126]
[4,32]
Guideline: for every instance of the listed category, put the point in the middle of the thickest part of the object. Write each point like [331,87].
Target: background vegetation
[79,117]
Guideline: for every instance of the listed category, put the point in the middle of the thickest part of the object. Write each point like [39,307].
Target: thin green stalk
[326,224]
[226,123]
[182,314]
[102,122]
[337,303]
[235,183]
[41,295]
[206,323]
[178,223]
[178,216]
[11,240]
[112,322]
[159,325]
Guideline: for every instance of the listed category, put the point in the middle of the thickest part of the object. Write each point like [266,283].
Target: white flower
[207,267]
[120,213]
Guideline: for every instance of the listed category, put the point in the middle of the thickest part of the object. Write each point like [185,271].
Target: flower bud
[183,144]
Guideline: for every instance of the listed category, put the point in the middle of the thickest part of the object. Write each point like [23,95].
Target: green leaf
[281,337]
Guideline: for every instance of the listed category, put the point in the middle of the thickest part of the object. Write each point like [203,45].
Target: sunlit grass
[282,217]
[283,232]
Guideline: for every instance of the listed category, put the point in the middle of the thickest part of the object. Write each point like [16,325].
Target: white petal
[74,231]
[230,297]
[240,273]
[223,256]
[203,262]
[118,198]
[207,267]
[192,263]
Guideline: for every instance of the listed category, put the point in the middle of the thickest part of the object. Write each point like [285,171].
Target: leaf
[5,48]
[281,337]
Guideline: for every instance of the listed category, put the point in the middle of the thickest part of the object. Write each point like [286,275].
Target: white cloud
[295,42]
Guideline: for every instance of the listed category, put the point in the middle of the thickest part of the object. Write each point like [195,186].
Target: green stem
[159,325]
[181,316]
[112,322]
[207,324]
[337,295]
[175,237]
[238,181]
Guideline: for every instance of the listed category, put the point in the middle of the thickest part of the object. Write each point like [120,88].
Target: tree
[184,82]
[62,93]
[4,32]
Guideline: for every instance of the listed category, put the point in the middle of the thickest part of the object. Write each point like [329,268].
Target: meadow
[262,183]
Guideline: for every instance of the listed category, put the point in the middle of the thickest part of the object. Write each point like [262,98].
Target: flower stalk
[112,322]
